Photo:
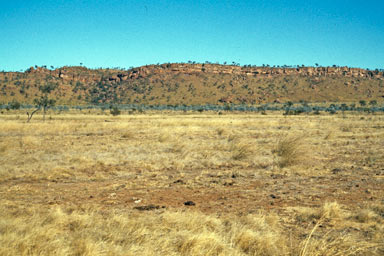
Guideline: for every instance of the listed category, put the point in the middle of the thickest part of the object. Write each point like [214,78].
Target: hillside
[194,84]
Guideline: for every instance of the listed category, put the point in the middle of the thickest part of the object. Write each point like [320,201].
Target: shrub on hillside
[14,105]
[115,111]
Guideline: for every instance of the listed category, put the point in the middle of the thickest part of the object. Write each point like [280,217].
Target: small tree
[373,103]
[288,106]
[44,102]
[114,110]
[14,104]
[363,103]
[344,107]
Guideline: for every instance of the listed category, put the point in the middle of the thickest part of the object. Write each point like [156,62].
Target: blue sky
[119,33]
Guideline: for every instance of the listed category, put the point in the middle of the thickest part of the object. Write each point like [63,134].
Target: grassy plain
[93,184]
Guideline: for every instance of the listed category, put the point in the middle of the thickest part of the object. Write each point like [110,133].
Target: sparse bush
[14,104]
[366,215]
[127,135]
[240,151]
[329,211]
[373,103]
[290,151]
[177,147]
[163,137]
[115,111]
[220,131]
[332,210]
[259,243]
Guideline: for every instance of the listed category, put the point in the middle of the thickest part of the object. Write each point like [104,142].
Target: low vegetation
[87,182]
[291,150]
[286,109]
[89,230]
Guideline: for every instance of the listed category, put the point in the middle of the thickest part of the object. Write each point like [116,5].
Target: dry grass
[70,186]
[291,150]
[92,231]
[335,242]
[240,150]
[88,230]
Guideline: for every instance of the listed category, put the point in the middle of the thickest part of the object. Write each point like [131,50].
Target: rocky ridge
[195,84]
[66,73]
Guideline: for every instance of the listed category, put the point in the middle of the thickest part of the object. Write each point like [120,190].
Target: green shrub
[14,105]
[115,111]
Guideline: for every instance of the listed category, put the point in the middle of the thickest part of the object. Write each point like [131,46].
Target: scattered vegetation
[240,150]
[114,111]
[294,109]
[290,150]
[13,105]
[176,183]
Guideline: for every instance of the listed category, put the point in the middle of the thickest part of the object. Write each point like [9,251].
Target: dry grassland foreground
[192,184]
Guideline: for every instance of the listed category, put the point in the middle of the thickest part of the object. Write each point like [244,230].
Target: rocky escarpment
[253,70]
[85,75]
[191,84]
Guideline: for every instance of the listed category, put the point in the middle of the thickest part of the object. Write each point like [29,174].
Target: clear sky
[119,33]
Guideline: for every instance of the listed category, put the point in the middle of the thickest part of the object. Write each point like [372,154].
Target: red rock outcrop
[85,75]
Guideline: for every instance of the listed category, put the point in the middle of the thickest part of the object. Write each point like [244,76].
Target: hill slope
[193,84]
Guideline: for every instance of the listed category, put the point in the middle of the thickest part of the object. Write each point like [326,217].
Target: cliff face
[195,84]
[254,71]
